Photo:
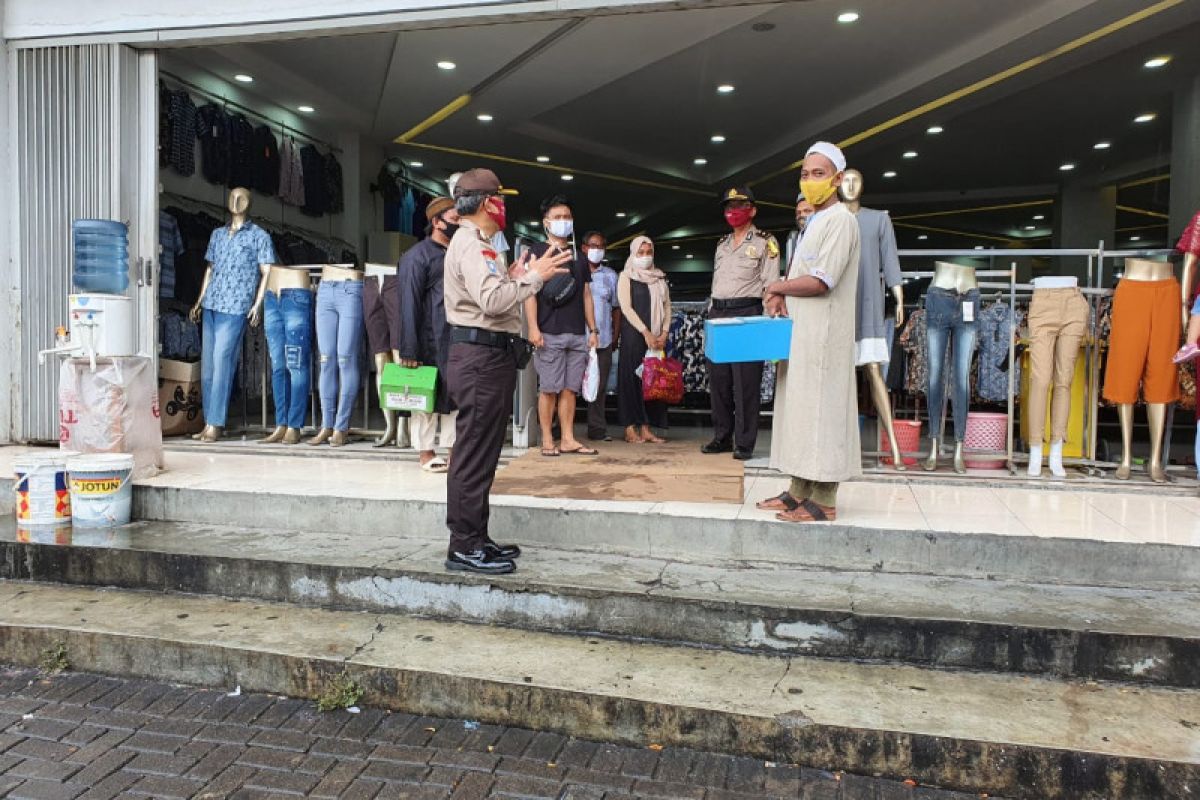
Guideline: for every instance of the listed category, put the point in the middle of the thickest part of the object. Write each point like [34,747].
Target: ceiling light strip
[976,209]
[992,80]
[1144,212]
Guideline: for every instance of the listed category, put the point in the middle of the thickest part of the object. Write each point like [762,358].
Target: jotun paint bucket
[41,488]
[101,490]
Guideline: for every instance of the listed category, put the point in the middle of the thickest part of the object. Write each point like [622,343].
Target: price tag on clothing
[968,311]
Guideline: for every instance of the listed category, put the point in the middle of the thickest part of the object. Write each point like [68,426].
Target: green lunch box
[405,389]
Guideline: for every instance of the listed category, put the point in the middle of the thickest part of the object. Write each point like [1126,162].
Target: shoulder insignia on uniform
[492,268]
[488,253]
[772,247]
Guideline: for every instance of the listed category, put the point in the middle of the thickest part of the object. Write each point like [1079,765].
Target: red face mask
[499,217]
[737,217]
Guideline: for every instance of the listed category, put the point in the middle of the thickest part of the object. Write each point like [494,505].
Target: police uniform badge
[752,252]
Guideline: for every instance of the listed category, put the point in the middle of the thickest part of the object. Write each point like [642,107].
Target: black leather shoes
[743,454]
[714,447]
[502,551]
[480,561]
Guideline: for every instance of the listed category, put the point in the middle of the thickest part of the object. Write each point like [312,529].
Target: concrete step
[1009,735]
[1140,636]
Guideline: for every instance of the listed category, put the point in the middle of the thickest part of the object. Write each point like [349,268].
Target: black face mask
[449,230]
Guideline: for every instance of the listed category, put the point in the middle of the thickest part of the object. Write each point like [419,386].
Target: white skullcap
[830,151]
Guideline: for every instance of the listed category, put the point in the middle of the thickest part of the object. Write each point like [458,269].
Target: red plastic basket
[908,438]
[987,432]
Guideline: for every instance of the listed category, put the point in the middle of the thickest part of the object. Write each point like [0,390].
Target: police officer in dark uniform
[746,263]
[483,309]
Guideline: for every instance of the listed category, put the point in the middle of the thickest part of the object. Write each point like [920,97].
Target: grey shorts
[560,363]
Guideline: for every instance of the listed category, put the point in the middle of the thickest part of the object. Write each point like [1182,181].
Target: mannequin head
[852,186]
[239,202]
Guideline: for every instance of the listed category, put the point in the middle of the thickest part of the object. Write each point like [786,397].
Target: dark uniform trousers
[597,424]
[735,389]
[481,380]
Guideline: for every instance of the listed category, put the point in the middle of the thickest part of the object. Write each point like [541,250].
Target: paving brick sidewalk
[82,736]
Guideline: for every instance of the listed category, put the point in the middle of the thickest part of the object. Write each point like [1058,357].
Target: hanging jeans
[221,350]
[339,341]
[946,321]
[287,319]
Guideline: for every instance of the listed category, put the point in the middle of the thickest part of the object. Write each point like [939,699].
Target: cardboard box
[404,389]
[736,339]
[179,404]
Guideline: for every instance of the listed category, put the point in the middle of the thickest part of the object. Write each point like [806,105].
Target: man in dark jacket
[424,336]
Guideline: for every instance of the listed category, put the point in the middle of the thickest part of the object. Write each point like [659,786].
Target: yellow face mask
[818,192]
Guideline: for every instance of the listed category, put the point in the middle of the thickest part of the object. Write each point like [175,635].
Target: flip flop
[781,502]
[550,452]
[436,464]
[582,451]
[807,512]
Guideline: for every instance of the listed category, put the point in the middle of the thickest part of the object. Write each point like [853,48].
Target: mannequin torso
[280,278]
[953,277]
[1142,269]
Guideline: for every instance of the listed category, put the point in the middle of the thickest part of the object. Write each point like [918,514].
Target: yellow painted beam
[1145,212]
[974,210]
[1143,181]
[445,111]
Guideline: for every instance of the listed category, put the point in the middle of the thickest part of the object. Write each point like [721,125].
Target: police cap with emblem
[479,181]
[737,193]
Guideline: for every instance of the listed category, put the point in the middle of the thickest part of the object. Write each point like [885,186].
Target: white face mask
[643,262]
[595,255]
[561,228]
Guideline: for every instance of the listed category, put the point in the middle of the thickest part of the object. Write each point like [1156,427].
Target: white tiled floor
[1009,511]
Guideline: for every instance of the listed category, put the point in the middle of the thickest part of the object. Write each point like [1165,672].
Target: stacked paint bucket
[43,499]
[55,490]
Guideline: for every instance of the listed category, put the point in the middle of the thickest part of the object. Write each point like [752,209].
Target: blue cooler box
[734,339]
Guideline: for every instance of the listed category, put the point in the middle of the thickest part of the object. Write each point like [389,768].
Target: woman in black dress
[645,320]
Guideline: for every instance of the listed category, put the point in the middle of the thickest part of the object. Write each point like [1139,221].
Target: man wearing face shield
[483,308]
[815,434]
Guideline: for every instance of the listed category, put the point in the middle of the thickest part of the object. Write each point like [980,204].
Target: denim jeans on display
[339,342]
[947,330]
[221,352]
[288,320]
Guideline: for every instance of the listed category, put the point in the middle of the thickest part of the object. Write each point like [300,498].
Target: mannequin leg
[1125,414]
[938,341]
[1156,414]
[389,417]
[883,407]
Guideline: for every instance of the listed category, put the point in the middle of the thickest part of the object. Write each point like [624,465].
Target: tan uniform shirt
[479,293]
[745,268]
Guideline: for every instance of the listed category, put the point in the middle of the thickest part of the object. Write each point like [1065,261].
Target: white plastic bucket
[42,496]
[101,491]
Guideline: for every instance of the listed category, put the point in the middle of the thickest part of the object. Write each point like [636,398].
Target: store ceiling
[634,98]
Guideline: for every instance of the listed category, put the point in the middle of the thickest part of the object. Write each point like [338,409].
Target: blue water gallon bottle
[101,256]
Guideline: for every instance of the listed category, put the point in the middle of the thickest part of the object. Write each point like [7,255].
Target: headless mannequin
[1138,269]
[851,190]
[239,207]
[959,279]
[333,273]
[278,279]
[1056,445]
[395,431]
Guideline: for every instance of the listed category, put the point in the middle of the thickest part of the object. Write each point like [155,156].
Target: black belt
[736,303]
[460,335]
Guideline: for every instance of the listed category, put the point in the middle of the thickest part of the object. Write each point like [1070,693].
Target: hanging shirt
[266,161]
[313,166]
[333,185]
[181,145]
[241,153]
[170,243]
[236,261]
[408,205]
[212,129]
[291,173]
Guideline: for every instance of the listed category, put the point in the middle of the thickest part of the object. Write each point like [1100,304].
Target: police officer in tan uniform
[747,261]
[483,309]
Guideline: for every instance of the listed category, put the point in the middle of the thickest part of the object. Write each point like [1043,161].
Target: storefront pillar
[1087,215]
[1185,158]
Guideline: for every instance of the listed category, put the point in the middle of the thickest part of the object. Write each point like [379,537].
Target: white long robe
[815,433]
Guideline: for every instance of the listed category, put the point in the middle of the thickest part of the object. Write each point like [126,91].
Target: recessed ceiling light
[447,65]
[484,117]
[416,164]
[847,17]
[1158,61]
[242,77]
[922,237]
[910,154]
[1135,238]
[978,247]
[725,88]
[717,138]
[934,129]
[700,162]
[674,247]
[1101,145]
[689,255]
[1039,216]
[1067,167]
[889,174]
[1031,227]
[621,215]
[1145,118]
[305,109]
[568,177]
[534,223]
[543,159]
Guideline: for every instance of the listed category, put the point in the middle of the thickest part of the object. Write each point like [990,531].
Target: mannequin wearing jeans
[287,316]
[952,314]
[239,257]
[339,341]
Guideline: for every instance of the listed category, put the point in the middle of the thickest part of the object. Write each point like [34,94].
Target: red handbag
[662,380]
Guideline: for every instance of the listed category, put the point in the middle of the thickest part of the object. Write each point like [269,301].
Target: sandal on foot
[781,502]
[1186,353]
[807,512]
[550,452]
[581,451]
[436,464]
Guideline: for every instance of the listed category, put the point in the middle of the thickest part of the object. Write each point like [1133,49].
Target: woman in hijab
[645,320]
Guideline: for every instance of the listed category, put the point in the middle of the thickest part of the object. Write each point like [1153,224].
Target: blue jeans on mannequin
[339,341]
[221,351]
[945,321]
[288,323]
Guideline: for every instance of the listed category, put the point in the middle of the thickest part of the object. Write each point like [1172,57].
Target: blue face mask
[562,228]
